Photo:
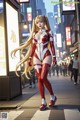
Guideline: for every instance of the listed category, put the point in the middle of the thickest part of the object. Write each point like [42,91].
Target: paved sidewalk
[19,100]
[69,94]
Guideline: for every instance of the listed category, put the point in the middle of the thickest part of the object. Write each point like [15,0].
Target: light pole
[78,30]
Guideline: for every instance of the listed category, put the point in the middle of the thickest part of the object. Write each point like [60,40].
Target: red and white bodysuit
[42,58]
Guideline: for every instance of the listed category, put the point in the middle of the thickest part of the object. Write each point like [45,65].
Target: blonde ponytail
[24,60]
[47,23]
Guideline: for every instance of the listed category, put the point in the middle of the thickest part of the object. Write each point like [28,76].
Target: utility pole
[78,32]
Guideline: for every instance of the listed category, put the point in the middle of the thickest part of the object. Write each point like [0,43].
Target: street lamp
[25,26]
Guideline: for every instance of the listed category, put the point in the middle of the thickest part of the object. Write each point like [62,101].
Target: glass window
[13,35]
[2,42]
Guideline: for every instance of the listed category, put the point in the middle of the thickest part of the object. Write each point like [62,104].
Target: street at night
[26,107]
[39,59]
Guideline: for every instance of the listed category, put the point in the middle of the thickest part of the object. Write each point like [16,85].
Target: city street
[38,37]
[26,107]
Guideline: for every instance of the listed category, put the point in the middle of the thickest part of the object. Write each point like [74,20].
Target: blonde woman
[39,56]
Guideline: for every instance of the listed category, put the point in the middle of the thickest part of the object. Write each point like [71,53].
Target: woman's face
[40,25]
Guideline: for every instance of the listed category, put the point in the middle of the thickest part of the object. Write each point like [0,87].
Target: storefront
[10,84]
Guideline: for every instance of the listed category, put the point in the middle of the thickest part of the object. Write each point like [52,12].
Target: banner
[59,41]
[68,36]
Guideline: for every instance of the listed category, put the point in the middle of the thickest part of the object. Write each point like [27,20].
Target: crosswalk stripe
[68,114]
[41,115]
[14,114]
[72,114]
[57,115]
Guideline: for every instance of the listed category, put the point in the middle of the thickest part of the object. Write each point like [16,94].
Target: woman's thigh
[47,59]
[37,66]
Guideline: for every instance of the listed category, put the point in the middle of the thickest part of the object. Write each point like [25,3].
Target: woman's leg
[76,75]
[40,83]
[41,90]
[44,73]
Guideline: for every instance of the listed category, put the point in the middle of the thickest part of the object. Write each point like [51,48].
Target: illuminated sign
[25,34]
[13,35]
[29,17]
[29,10]
[57,53]
[68,36]
[29,14]
[1,7]
[22,1]
[68,5]
[2,53]
[3,70]
[59,41]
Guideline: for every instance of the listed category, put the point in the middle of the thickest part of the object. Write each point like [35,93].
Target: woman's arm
[33,47]
[52,46]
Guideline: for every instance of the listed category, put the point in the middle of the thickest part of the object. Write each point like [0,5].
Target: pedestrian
[60,68]
[65,69]
[57,68]
[75,69]
[39,56]
[53,69]
[70,69]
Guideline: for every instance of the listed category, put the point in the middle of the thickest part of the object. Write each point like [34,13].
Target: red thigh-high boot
[44,73]
[41,89]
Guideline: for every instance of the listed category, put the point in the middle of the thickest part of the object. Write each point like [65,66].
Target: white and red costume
[42,58]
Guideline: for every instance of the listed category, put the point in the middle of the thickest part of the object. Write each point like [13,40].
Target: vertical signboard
[29,17]
[68,36]
[68,6]
[3,71]
[59,41]
[29,14]
[13,35]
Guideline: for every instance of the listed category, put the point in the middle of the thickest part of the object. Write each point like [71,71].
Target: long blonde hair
[28,45]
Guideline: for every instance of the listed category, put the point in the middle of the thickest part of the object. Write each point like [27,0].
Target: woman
[39,56]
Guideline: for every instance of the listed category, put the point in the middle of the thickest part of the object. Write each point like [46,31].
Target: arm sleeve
[52,43]
[33,47]
[52,46]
